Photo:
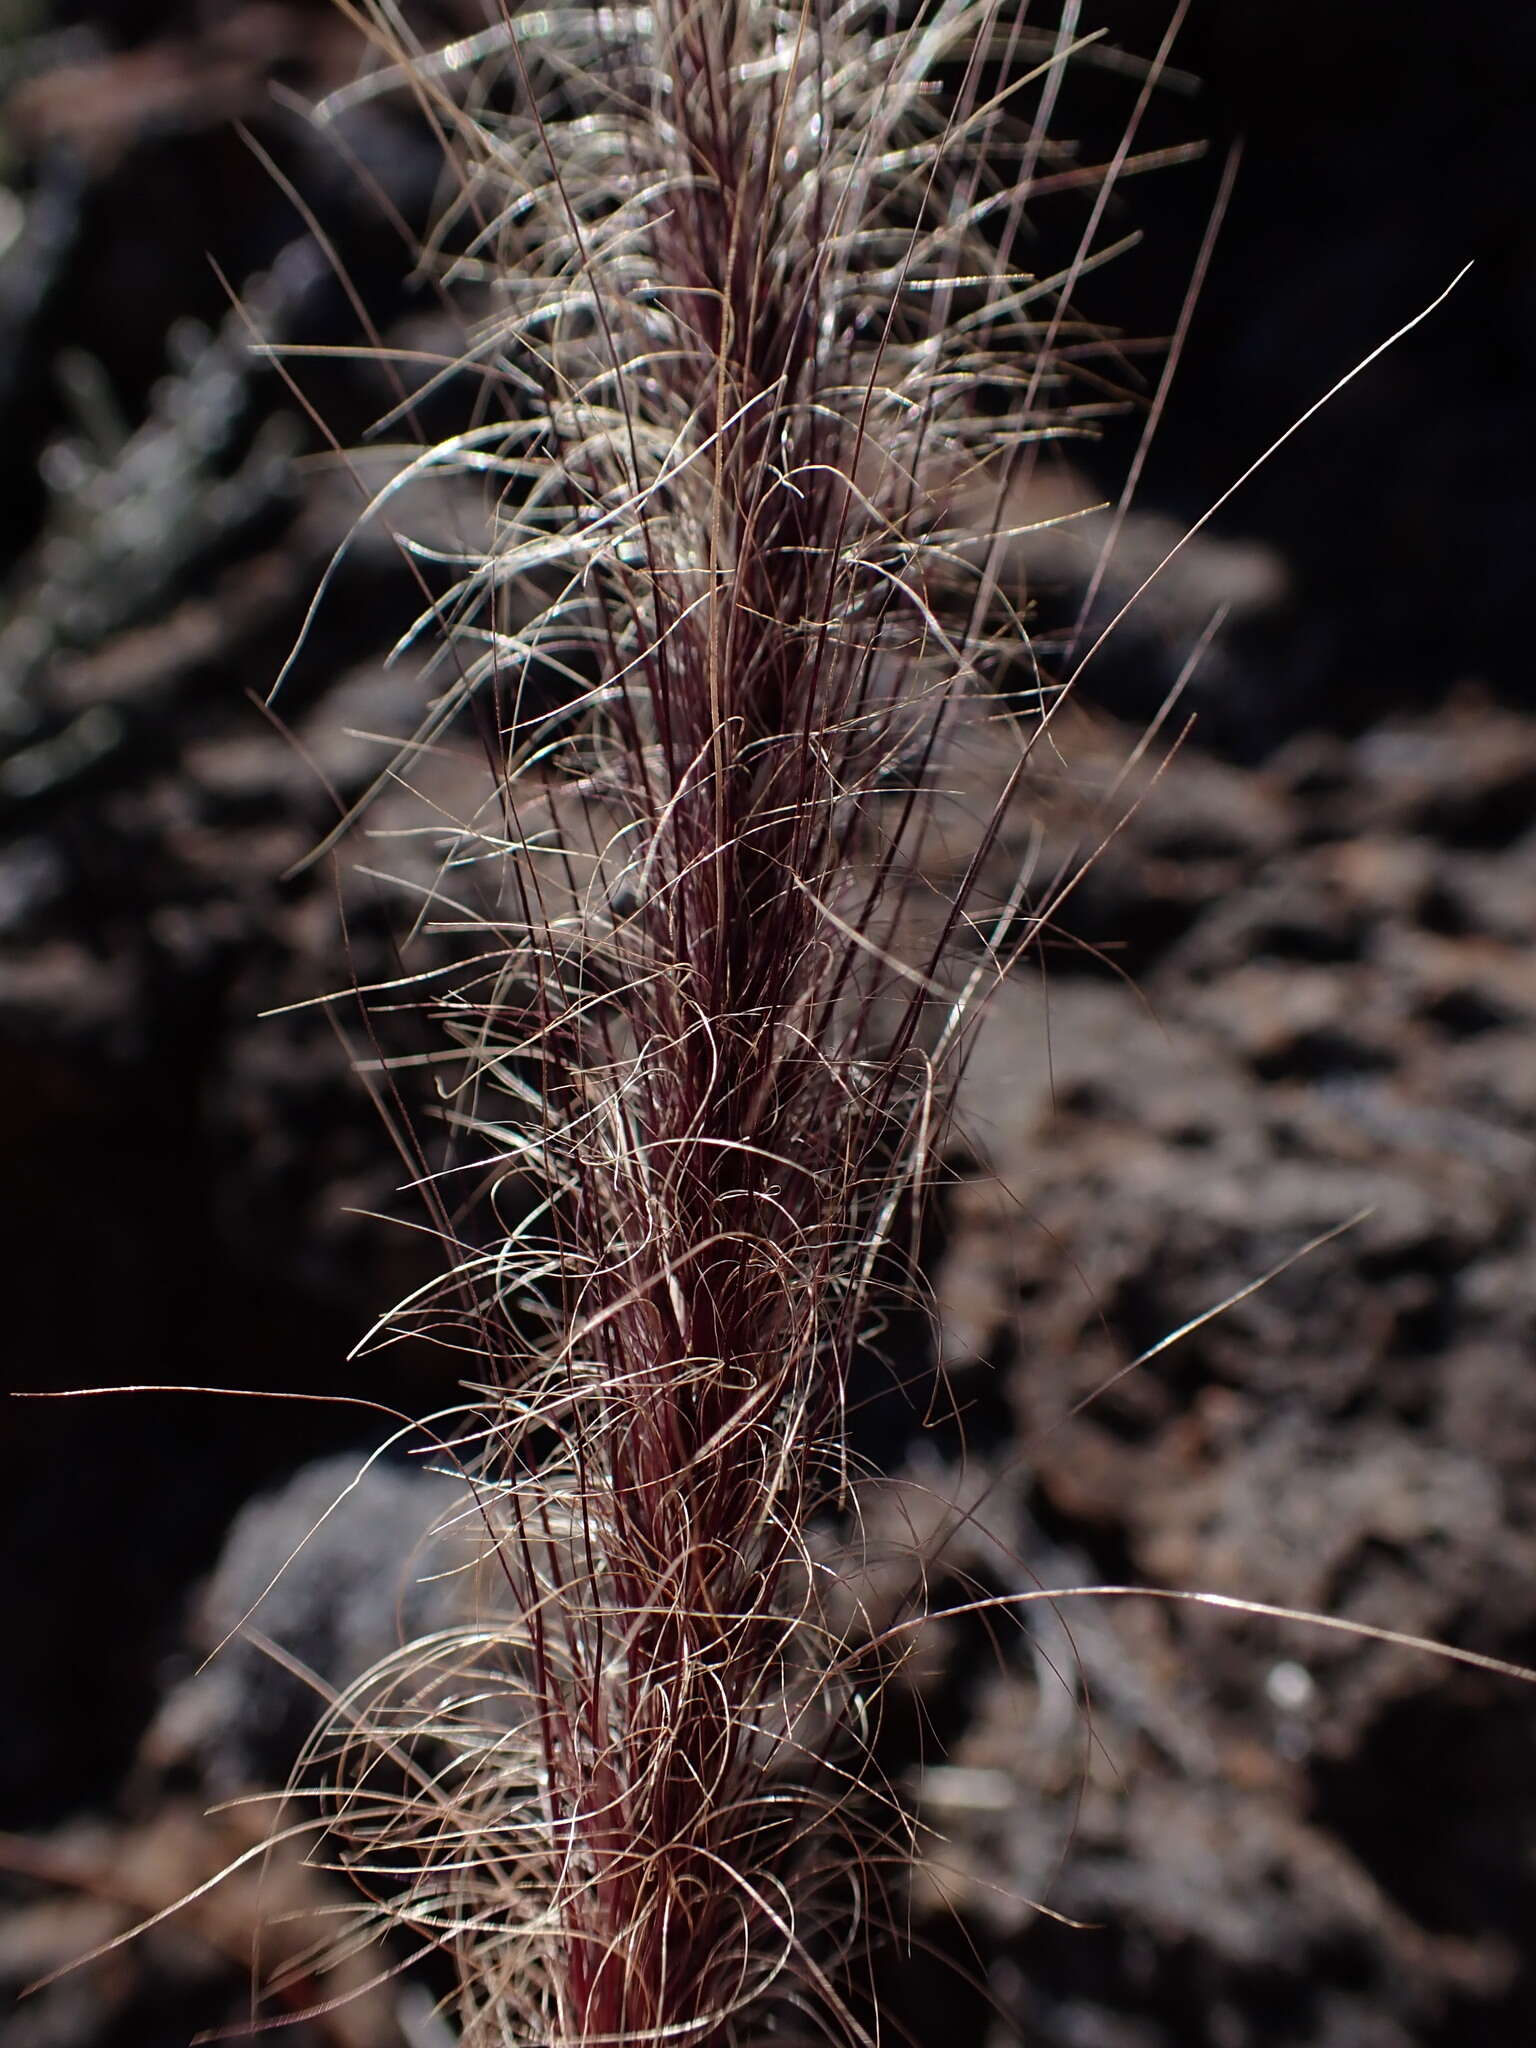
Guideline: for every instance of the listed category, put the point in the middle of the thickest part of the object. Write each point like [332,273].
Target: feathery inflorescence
[762,372]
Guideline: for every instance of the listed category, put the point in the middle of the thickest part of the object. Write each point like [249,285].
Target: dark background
[177,1179]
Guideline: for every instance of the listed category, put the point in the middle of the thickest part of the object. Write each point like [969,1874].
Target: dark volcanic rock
[1282,1065]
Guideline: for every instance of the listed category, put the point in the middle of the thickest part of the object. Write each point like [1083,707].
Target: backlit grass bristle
[764,363]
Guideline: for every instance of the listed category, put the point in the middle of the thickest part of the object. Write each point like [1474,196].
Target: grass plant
[767,346]
[766,364]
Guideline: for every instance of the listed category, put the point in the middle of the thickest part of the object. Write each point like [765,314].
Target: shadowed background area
[1326,903]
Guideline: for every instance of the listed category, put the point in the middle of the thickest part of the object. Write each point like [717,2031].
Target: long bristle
[763,372]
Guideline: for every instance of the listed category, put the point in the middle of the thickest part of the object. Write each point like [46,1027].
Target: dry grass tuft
[763,375]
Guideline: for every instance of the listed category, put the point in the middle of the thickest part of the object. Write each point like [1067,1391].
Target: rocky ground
[1286,1033]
